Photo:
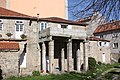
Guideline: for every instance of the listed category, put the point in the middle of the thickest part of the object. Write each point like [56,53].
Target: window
[114,35]
[99,43]
[101,36]
[1,25]
[64,26]
[19,26]
[115,45]
[43,25]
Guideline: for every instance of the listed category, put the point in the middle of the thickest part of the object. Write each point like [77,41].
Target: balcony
[62,32]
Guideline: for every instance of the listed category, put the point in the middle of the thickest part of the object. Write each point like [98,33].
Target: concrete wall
[3,3]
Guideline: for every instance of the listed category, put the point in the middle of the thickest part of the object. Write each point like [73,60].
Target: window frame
[20,28]
[115,45]
[102,36]
[66,26]
[43,25]
[1,28]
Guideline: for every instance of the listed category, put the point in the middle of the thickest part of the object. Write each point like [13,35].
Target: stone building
[60,44]
[99,49]
[12,26]
[49,45]
[92,22]
[110,31]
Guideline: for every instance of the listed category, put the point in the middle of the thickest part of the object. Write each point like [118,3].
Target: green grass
[90,75]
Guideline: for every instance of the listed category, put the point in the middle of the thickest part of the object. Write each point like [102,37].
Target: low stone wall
[9,63]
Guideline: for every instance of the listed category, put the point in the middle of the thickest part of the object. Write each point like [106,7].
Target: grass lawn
[90,75]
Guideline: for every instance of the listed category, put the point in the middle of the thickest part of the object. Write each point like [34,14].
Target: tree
[110,9]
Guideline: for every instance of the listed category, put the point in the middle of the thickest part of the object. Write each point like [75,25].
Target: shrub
[23,36]
[91,63]
[119,60]
[36,73]
[9,34]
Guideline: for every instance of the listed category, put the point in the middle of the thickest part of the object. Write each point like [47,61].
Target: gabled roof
[5,13]
[60,20]
[108,27]
[9,13]
[4,45]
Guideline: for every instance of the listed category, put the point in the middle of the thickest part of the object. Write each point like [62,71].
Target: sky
[70,8]
[70,16]
[72,2]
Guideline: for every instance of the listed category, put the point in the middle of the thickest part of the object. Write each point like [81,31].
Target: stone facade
[99,52]
[56,48]
[113,36]
[9,63]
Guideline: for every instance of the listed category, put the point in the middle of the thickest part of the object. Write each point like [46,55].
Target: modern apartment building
[44,8]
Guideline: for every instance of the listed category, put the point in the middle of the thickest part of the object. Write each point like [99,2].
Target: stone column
[51,56]
[78,60]
[44,57]
[62,60]
[69,56]
[85,54]
[39,58]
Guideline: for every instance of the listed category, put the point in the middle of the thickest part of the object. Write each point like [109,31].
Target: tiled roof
[97,39]
[4,45]
[9,13]
[108,27]
[60,20]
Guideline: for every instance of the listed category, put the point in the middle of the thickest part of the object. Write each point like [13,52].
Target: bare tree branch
[110,9]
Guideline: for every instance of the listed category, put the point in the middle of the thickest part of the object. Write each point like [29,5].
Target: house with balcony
[60,41]
[43,44]
[49,45]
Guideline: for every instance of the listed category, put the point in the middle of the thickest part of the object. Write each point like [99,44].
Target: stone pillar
[44,57]
[39,58]
[78,60]
[51,56]
[69,56]
[85,54]
[62,60]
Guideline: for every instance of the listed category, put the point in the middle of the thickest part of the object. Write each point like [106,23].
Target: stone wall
[10,27]
[9,63]
[97,51]
[32,50]
[110,35]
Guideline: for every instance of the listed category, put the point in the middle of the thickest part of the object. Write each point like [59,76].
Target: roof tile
[107,27]
[4,45]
